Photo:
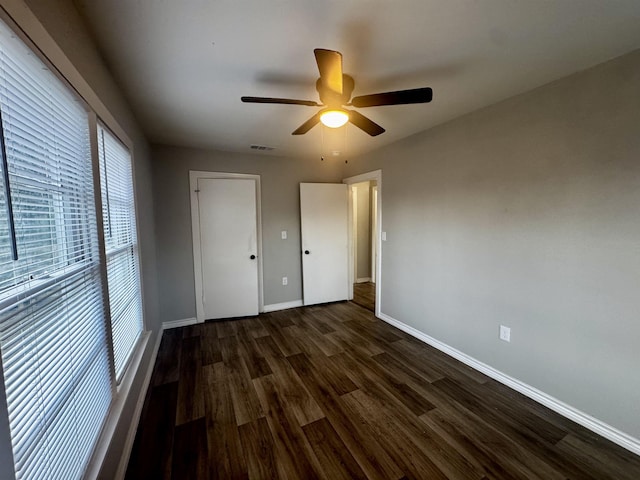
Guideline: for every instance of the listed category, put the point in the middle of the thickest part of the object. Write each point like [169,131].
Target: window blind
[52,324]
[121,246]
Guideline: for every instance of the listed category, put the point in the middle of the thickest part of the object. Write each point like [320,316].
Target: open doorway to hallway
[364,229]
[364,290]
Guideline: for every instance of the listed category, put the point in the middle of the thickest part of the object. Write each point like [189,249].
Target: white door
[324,224]
[228,243]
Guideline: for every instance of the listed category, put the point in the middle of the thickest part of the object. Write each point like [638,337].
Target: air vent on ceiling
[262,148]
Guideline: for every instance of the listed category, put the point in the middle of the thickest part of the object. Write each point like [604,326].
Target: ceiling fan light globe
[334,118]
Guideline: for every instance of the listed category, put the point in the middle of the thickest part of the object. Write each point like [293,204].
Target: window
[54,335]
[118,218]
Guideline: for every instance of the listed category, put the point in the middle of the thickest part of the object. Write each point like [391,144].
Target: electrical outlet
[285,280]
[505,333]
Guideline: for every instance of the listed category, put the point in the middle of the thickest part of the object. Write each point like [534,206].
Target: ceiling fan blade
[330,67]
[363,123]
[308,125]
[284,101]
[401,97]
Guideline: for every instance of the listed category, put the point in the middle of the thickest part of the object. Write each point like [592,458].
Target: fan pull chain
[346,160]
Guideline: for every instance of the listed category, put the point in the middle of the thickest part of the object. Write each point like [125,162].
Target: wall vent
[262,148]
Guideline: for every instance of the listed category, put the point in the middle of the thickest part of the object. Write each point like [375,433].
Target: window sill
[119,400]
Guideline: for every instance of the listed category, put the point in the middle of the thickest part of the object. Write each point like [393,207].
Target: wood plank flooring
[364,294]
[331,392]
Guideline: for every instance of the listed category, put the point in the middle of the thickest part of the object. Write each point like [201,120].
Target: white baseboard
[179,323]
[133,428]
[601,428]
[274,307]
[363,280]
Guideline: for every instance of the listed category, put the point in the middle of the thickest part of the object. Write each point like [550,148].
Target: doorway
[225,211]
[364,239]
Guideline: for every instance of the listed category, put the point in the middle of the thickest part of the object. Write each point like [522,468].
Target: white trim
[601,428]
[363,280]
[363,177]
[117,406]
[184,322]
[377,176]
[194,175]
[274,307]
[374,229]
[135,420]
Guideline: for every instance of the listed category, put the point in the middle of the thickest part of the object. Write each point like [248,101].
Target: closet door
[324,224]
[229,247]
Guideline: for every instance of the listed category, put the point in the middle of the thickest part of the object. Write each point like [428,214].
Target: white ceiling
[185,64]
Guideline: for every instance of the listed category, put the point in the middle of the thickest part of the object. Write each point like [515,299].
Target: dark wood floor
[364,294]
[331,392]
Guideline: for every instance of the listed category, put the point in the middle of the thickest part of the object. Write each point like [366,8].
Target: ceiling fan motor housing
[333,99]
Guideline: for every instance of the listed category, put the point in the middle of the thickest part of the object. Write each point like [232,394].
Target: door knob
[252,257]
[306,252]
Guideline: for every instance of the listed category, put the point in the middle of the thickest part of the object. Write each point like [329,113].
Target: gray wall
[64,24]
[526,214]
[279,178]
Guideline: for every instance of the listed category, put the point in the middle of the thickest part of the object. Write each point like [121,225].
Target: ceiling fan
[335,88]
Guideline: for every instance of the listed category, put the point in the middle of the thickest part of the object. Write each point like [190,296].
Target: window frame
[28,29]
[95,123]
[59,192]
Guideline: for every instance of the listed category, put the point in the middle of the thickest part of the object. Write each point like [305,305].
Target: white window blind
[121,246]
[52,323]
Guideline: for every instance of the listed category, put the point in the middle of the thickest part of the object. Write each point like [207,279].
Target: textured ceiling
[185,64]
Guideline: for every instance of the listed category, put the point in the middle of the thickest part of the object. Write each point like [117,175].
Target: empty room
[278,239]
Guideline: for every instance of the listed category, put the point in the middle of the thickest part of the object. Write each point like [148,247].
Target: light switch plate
[284,234]
[384,236]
